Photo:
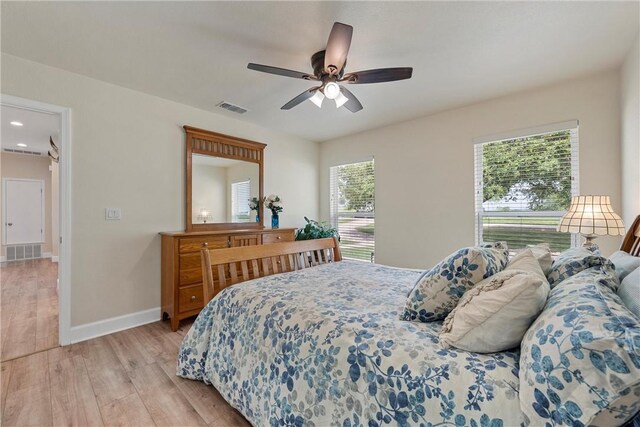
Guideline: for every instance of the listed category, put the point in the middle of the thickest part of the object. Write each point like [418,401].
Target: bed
[326,346]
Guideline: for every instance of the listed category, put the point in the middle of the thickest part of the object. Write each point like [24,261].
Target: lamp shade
[591,215]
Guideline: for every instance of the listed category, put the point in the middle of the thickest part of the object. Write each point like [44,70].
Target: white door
[23,211]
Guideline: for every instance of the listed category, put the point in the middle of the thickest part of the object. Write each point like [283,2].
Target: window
[352,189]
[524,185]
[240,195]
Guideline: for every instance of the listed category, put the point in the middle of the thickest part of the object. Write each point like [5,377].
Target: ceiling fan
[328,69]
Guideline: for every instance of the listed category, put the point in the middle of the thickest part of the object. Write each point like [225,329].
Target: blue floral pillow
[438,290]
[573,261]
[580,360]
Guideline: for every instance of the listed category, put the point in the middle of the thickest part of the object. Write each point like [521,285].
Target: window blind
[352,208]
[523,186]
[240,195]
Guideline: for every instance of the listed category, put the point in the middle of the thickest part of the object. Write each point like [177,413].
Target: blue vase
[275,220]
[257,216]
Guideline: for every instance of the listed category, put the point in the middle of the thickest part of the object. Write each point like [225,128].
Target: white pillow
[542,252]
[495,314]
[625,263]
[528,261]
[629,291]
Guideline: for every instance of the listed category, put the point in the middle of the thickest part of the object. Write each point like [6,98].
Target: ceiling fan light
[317,99]
[331,90]
[341,100]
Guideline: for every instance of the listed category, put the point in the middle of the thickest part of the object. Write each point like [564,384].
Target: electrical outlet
[112,214]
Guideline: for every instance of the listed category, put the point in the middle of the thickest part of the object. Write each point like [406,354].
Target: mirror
[223,174]
[221,189]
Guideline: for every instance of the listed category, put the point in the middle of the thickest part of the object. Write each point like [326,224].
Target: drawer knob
[193,297]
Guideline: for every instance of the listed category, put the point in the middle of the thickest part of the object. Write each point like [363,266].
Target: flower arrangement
[273,203]
[254,204]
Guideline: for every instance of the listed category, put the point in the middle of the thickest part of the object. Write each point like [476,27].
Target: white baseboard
[54,259]
[114,324]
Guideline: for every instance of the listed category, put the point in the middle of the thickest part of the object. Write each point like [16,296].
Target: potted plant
[316,230]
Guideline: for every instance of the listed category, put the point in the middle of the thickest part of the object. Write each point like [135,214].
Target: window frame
[334,213]
[234,205]
[572,126]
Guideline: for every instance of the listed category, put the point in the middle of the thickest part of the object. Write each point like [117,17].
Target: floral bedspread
[325,346]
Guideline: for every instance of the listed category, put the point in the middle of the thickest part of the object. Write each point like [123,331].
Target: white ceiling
[35,131]
[197,52]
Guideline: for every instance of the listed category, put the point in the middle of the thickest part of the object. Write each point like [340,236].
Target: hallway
[29,307]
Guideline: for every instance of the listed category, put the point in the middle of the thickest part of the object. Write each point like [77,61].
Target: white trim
[2,258]
[54,258]
[65,215]
[114,324]
[524,133]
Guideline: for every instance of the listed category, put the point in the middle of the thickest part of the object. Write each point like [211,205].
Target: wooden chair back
[225,267]
[631,242]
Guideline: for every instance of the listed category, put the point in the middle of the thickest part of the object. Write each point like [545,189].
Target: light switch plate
[112,214]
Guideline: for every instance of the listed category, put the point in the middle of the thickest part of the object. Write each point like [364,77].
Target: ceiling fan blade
[337,47]
[352,104]
[300,98]
[378,75]
[281,71]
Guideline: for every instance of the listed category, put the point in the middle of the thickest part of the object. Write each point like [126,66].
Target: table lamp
[205,215]
[591,216]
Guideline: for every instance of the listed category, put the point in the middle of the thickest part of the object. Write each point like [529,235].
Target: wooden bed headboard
[631,242]
[225,267]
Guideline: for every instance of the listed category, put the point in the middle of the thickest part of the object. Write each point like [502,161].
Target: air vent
[21,252]
[31,153]
[232,108]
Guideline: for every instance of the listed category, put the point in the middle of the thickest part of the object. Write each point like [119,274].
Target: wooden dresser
[182,294]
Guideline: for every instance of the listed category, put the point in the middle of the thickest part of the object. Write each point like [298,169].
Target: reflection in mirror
[221,189]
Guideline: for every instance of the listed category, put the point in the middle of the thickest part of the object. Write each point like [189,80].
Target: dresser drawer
[190,298]
[277,237]
[190,276]
[191,261]
[194,244]
[245,240]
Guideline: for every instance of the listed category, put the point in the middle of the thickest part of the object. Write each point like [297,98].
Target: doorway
[33,265]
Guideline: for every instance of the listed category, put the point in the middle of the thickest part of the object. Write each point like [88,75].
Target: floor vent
[32,153]
[22,252]
[232,108]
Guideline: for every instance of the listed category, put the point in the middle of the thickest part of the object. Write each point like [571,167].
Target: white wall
[631,135]
[128,152]
[424,167]
[208,191]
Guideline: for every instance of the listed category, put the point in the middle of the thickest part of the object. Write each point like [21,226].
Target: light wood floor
[127,378]
[29,307]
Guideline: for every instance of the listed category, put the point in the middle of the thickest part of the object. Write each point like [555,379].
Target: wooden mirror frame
[199,141]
